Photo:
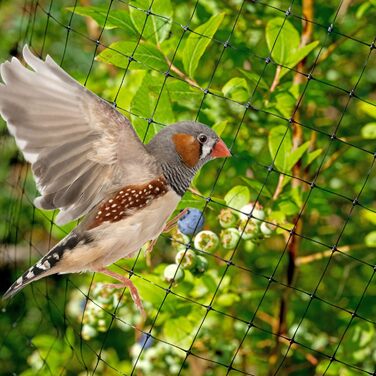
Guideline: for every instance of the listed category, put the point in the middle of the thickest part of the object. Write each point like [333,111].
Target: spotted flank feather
[128,200]
[45,266]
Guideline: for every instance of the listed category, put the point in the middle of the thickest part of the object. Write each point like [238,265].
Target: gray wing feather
[79,146]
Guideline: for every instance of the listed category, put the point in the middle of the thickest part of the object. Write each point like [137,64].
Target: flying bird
[88,161]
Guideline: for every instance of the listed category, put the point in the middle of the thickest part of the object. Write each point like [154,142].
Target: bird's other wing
[79,146]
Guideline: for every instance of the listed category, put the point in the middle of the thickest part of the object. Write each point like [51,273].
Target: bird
[88,162]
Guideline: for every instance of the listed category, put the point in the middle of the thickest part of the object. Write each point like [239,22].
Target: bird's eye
[202,138]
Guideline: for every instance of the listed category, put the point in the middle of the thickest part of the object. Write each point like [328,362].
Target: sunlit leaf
[196,44]
[369,131]
[257,186]
[146,55]
[280,147]
[281,38]
[237,89]
[238,196]
[114,19]
[156,26]
[296,154]
[312,156]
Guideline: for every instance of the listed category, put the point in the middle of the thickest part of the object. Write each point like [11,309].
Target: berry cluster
[97,310]
[247,225]
[191,223]
[156,357]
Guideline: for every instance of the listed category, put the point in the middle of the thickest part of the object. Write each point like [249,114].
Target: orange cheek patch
[187,147]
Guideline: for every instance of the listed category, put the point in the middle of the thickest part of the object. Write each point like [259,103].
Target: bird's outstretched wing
[80,147]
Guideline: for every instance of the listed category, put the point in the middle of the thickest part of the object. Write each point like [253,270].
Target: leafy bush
[281,274]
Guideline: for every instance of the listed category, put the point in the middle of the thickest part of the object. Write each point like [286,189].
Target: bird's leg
[125,282]
[150,246]
[169,226]
[172,222]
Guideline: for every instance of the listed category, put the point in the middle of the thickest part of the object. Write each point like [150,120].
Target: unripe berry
[186,259]
[227,218]
[248,228]
[170,271]
[180,241]
[266,229]
[257,212]
[249,245]
[206,241]
[230,238]
[201,265]
[88,332]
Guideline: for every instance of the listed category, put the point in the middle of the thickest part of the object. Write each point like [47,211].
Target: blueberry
[146,341]
[191,222]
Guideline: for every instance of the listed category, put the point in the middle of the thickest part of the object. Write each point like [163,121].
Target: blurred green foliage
[51,328]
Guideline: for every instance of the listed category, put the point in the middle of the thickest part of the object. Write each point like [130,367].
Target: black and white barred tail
[45,266]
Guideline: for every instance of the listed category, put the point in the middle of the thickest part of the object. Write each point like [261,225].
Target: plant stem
[276,78]
[320,255]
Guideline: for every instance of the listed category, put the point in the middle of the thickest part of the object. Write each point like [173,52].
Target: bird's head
[188,143]
[182,148]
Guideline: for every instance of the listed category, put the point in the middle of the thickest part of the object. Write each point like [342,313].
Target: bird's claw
[125,283]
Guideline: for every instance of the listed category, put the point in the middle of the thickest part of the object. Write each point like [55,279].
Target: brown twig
[320,255]
[181,74]
[279,187]
[276,78]
[294,241]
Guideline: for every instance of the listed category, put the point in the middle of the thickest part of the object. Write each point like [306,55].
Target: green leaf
[227,299]
[296,195]
[369,131]
[280,141]
[220,127]
[190,200]
[369,109]
[156,28]
[196,45]
[288,207]
[296,154]
[144,103]
[180,91]
[369,216]
[238,196]
[312,156]
[209,282]
[288,39]
[178,331]
[370,239]
[256,186]
[284,103]
[146,55]
[298,56]
[151,294]
[254,78]
[286,49]
[301,53]
[237,89]
[116,18]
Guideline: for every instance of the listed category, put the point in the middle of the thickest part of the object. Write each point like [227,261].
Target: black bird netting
[279,276]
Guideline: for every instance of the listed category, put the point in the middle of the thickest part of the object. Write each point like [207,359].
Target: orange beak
[220,150]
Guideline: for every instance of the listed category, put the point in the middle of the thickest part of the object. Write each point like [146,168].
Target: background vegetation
[293,294]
